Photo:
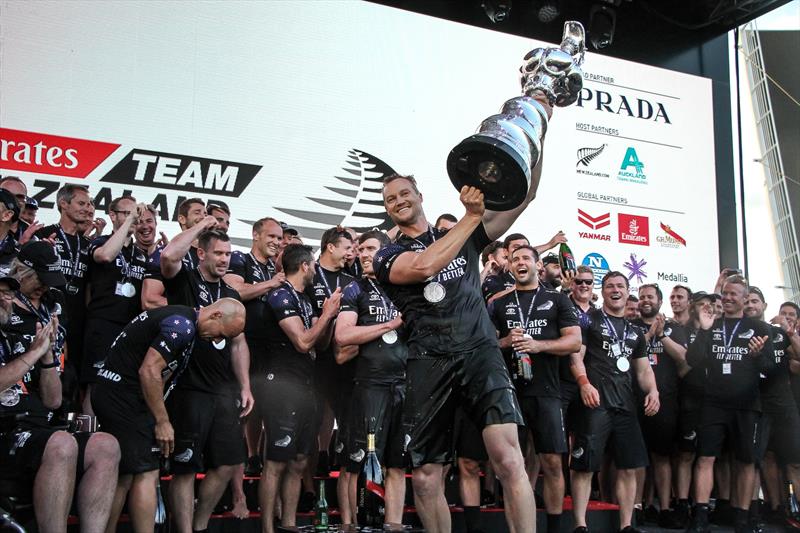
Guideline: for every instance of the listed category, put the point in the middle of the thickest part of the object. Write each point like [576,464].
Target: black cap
[11,282]
[286,229]
[756,290]
[550,259]
[31,202]
[40,256]
[9,201]
[700,295]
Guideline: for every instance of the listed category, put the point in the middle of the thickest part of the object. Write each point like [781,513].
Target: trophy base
[493,166]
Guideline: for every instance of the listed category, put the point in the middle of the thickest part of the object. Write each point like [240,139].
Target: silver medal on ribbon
[128,290]
[623,364]
[9,397]
[390,337]
[434,292]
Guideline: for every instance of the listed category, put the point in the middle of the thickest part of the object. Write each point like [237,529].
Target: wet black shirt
[732,372]
[546,313]
[252,271]
[377,360]
[324,283]
[776,389]
[496,283]
[210,370]
[604,368]
[9,248]
[456,323]
[284,360]
[109,281]
[664,367]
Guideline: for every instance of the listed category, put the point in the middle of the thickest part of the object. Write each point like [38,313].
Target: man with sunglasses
[9,216]
[116,270]
[214,392]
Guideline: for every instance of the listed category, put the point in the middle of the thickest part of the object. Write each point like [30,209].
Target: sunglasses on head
[583,281]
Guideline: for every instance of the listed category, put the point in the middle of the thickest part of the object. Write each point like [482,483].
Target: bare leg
[239,510]
[395,495]
[97,487]
[181,501]
[86,404]
[142,502]
[469,482]
[641,478]
[325,428]
[662,478]
[722,477]
[626,493]
[209,492]
[683,475]
[703,479]
[343,495]
[581,490]
[745,478]
[428,484]
[120,494]
[268,493]
[502,446]
[290,490]
[252,435]
[532,464]
[553,483]
[54,483]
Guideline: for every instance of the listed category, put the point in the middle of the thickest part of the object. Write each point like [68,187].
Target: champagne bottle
[321,509]
[792,507]
[565,258]
[524,364]
[370,504]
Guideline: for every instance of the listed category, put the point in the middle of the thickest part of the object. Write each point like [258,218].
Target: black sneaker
[681,514]
[631,529]
[699,524]
[722,515]
[306,502]
[253,466]
[581,529]
[651,515]
[668,519]
[638,516]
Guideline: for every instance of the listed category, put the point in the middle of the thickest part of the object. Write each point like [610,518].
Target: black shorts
[571,404]
[128,419]
[739,427]
[784,434]
[21,451]
[208,431]
[99,337]
[592,432]
[289,415]
[477,381]
[690,411]
[544,417]
[259,357]
[379,409]
[660,431]
[468,441]
[326,381]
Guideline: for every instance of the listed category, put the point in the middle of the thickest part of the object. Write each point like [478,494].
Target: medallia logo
[356,201]
[599,267]
[586,156]
[632,169]
[671,238]
[634,229]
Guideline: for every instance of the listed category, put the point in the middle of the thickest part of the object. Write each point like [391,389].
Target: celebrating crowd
[434,345]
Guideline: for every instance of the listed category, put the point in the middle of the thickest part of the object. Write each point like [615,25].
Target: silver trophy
[499,159]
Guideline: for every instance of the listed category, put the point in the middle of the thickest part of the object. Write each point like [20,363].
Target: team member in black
[503,279]
[680,300]
[222,214]
[190,213]
[611,345]
[22,230]
[72,247]
[32,449]
[536,326]
[433,279]
[215,389]
[781,420]
[151,351]
[369,320]
[289,410]
[581,297]
[147,240]
[9,216]
[116,270]
[733,351]
[333,382]
[253,276]
[666,351]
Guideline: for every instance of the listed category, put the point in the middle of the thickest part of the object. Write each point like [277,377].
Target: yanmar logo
[42,153]
[182,173]
[634,229]
[595,223]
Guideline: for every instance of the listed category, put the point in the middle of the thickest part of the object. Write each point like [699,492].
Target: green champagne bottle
[565,258]
[321,509]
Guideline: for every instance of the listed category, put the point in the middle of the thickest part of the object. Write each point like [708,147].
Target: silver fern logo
[586,156]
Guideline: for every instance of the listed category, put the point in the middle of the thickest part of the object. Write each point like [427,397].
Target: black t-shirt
[564,365]
[209,368]
[732,372]
[355,270]
[324,283]
[252,271]
[377,361]
[115,288]
[452,318]
[169,330]
[284,360]
[776,389]
[693,382]
[495,283]
[23,319]
[22,396]
[9,248]
[545,314]
[611,342]
[153,268]
[664,367]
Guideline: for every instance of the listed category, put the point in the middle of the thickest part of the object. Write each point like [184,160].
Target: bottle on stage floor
[370,505]
[321,509]
[792,507]
[565,258]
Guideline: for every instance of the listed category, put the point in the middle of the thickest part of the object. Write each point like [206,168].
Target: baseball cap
[31,203]
[550,259]
[41,257]
[700,295]
[287,229]
[11,282]
[9,201]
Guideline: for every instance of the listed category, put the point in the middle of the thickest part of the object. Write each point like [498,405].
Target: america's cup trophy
[500,157]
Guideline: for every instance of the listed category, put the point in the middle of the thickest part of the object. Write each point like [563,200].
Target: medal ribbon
[524,319]
[74,259]
[325,280]
[386,307]
[208,289]
[728,341]
[613,333]
[300,307]
[44,316]
[264,275]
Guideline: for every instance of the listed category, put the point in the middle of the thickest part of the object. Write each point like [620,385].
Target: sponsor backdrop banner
[297,110]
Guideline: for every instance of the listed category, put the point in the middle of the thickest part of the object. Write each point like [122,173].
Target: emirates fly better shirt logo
[634,229]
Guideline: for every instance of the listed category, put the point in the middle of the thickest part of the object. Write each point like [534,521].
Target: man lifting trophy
[500,157]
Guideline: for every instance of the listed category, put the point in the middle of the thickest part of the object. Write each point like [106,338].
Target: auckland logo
[356,200]
[632,168]
[586,156]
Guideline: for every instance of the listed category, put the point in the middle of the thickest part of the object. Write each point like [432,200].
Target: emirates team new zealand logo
[353,200]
